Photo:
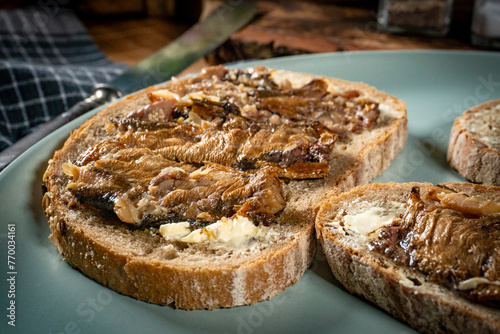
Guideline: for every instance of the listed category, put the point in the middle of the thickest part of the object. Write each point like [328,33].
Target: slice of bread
[374,240]
[474,147]
[139,262]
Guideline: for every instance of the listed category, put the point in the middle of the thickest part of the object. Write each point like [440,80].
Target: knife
[193,44]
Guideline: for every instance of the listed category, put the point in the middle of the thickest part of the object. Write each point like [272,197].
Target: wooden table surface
[280,28]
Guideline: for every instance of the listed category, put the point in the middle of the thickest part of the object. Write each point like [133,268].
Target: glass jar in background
[485,29]
[430,17]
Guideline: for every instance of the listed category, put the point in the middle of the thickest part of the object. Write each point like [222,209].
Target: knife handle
[101,94]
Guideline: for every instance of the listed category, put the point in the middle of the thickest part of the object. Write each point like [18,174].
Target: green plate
[51,297]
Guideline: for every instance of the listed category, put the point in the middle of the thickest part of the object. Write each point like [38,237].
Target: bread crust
[404,294]
[146,267]
[469,155]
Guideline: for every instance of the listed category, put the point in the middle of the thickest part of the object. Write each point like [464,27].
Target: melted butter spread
[175,231]
[452,244]
[230,232]
[370,220]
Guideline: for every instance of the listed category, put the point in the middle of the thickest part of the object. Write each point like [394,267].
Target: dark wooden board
[302,27]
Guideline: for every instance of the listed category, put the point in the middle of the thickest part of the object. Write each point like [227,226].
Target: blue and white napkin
[48,62]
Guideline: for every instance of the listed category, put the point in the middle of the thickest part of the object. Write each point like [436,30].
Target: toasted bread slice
[406,248]
[137,260]
[474,147]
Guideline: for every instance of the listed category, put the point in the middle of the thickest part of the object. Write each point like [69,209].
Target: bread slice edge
[403,293]
[473,159]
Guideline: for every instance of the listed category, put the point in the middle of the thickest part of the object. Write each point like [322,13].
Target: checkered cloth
[48,62]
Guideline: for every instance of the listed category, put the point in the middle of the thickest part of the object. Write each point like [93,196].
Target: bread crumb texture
[474,147]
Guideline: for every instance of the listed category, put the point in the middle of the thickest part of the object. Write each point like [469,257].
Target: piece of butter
[196,236]
[175,231]
[370,220]
[233,232]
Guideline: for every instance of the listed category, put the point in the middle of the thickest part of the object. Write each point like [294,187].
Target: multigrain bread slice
[406,248]
[474,147]
[138,260]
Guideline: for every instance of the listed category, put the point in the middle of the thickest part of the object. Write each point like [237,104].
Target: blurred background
[53,52]
[130,30]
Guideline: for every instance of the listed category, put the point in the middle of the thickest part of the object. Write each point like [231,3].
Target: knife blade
[197,41]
